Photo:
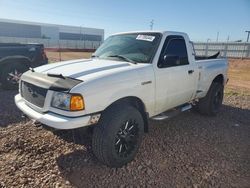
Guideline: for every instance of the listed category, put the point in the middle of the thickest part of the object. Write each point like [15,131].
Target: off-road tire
[10,68]
[105,135]
[212,102]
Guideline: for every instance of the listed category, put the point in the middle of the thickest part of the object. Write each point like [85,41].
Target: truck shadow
[73,165]
[80,136]
[9,113]
[80,167]
[183,133]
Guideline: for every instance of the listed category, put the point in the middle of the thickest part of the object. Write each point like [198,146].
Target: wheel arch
[219,79]
[136,103]
[14,59]
[206,105]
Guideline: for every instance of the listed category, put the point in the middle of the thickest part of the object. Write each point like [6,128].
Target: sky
[201,19]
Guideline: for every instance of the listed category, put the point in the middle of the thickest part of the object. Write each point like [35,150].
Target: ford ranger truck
[132,77]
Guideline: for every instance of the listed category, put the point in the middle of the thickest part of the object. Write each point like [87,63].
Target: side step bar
[172,113]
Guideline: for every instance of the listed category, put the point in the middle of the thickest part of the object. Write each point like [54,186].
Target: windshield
[135,47]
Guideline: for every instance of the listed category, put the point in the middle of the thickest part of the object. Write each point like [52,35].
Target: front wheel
[212,102]
[118,136]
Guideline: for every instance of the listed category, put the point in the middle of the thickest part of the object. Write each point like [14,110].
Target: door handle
[190,71]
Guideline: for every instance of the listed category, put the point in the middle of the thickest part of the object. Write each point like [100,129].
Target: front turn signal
[77,103]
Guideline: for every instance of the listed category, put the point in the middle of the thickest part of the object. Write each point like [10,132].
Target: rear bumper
[54,120]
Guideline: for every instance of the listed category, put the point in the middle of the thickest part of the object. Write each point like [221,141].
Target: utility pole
[248,32]
[80,37]
[217,36]
[151,25]
[206,50]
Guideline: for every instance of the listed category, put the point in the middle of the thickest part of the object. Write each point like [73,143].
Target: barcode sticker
[146,38]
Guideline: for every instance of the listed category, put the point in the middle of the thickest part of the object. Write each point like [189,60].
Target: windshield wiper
[32,69]
[123,58]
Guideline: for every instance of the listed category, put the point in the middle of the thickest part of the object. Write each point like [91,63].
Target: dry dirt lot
[188,150]
[239,75]
[55,56]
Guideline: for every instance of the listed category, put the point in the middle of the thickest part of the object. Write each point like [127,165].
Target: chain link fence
[228,49]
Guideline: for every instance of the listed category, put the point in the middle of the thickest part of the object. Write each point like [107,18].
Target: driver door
[175,76]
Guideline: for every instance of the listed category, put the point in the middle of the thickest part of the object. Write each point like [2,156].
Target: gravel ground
[188,150]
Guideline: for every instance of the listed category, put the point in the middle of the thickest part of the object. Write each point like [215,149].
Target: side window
[174,53]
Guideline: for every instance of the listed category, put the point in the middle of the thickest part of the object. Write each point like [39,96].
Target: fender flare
[137,103]
[14,59]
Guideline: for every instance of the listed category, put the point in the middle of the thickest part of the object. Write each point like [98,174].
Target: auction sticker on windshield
[145,37]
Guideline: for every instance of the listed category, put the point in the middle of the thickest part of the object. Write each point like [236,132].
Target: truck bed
[208,69]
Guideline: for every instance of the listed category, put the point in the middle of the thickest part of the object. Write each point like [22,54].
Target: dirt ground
[189,150]
[239,75]
[56,56]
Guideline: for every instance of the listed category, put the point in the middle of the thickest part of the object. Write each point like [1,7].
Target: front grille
[33,94]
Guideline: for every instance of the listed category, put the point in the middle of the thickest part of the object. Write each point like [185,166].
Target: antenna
[151,25]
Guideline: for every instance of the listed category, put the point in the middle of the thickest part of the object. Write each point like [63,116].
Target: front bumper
[54,120]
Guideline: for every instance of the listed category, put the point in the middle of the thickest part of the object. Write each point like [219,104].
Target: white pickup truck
[131,77]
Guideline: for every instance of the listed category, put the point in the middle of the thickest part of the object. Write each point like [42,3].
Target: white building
[52,33]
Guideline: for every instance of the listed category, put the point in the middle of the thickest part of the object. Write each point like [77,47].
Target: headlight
[68,101]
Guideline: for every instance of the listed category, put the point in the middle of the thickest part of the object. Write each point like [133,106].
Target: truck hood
[82,69]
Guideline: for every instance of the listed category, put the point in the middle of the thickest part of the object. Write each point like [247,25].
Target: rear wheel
[212,102]
[117,138]
[11,74]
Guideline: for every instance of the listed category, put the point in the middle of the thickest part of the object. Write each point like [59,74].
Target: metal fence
[228,49]
[50,43]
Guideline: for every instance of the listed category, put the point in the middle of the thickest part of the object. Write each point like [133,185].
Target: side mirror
[171,60]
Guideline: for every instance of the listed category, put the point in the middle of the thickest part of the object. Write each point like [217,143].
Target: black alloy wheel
[118,135]
[126,138]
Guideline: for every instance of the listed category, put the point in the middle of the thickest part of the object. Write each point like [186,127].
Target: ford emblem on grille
[32,92]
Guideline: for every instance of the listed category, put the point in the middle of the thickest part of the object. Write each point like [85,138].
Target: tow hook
[24,116]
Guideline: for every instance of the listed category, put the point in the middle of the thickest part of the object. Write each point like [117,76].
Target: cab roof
[152,31]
